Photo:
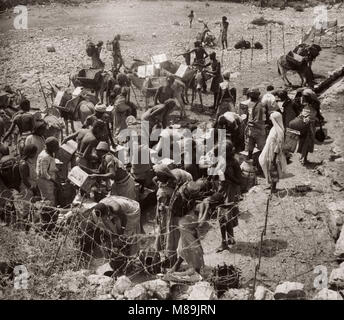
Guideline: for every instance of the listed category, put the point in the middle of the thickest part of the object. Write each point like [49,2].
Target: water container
[249,175]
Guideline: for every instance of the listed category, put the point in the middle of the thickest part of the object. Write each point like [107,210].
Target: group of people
[186,194]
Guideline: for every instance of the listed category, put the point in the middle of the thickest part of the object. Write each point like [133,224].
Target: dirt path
[291,247]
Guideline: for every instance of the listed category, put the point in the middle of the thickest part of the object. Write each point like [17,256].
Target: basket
[291,140]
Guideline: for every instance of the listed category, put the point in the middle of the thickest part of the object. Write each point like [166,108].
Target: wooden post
[252,45]
[267,45]
[240,55]
[270,43]
[283,38]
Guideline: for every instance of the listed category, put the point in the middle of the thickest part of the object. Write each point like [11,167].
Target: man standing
[255,130]
[116,54]
[224,30]
[164,92]
[191,17]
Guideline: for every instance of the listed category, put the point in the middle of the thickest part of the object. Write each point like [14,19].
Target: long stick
[261,246]
[270,42]
[252,50]
[267,45]
[283,38]
[45,99]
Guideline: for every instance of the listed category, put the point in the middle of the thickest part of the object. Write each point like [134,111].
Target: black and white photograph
[181,150]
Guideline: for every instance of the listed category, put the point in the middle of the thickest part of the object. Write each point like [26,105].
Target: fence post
[267,45]
[270,42]
[283,38]
[252,50]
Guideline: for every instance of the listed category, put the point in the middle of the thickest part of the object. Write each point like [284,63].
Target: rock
[236,294]
[154,35]
[157,289]
[103,269]
[202,291]
[299,216]
[102,284]
[335,218]
[136,293]
[263,294]
[339,160]
[327,294]
[339,249]
[336,280]
[51,48]
[176,23]
[290,290]
[122,284]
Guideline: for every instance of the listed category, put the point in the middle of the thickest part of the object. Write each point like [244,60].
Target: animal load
[295,59]
[90,78]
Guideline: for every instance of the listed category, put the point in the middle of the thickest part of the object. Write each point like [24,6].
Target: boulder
[327,294]
[236,294]
[335,218]
[102,284]
[122,284]
[339,249]
[157,289]
[263,294]
[104,297]
[290,290]
[136,293]
[336,280]
[202,291]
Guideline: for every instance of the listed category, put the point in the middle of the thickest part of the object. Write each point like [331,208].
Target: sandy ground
[291,248]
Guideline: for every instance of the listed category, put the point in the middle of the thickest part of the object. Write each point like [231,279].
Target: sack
[151,261]
[295,59]
[9,172]
[90,48]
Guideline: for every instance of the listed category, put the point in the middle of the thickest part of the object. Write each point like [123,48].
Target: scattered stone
[176,23]
[327,294]
[122,284]
[335,218]
[154,35]
[157,289]
[51,48]
[336,280]
[339,160]
[263,293]
[290,290]
[202,291]
[299,217]
[103,284]
[236,294]
[339,249]
[136,293]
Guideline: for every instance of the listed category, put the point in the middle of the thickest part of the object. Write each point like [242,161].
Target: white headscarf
[277,121]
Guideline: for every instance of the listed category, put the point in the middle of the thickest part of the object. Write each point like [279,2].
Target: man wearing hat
[165,92]
[112,168]
[255,130]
